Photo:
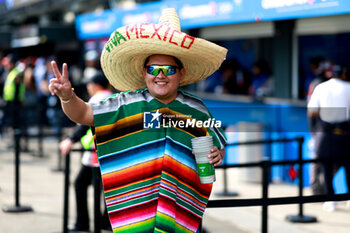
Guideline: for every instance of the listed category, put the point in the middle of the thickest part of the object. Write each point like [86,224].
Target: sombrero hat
[128,47]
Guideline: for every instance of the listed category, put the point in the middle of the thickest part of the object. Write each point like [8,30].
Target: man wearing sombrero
[149,174]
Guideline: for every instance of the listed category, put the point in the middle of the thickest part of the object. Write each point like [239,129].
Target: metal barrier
[265,201]
[66,194]
[97,190]
[18,134]
[225,192]
[17,207]
[41,134]
[16,115]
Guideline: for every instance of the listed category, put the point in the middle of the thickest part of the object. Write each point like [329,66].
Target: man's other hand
[216,156]
[66,146]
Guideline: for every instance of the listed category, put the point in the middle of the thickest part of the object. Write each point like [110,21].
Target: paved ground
[42,189]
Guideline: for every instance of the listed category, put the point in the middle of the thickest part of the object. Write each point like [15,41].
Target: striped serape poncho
[149,174]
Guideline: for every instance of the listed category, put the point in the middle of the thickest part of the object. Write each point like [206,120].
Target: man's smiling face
[162,87]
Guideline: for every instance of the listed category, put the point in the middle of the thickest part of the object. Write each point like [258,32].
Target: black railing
[41,134]
[17,207]
[265,201]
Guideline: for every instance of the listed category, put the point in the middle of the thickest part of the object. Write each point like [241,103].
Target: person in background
[323,71]
[262,81]
[29,81]
[2,73]
[213,83]
[91,67]
[98,89]
[31,98]
[310,74]
[235,80]
[231,78]
[91,64]
[13,93]
[41,75]
[330,101]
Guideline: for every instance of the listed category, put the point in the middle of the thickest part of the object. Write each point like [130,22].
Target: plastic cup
[201,147]
[202,139]
[200,144]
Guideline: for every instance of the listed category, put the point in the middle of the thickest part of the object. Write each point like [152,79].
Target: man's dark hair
[177,61]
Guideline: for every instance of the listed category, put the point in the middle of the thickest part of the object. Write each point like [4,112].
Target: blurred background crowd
[30,85]
[34,73]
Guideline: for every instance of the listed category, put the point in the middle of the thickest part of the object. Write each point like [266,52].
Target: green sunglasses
[166,69]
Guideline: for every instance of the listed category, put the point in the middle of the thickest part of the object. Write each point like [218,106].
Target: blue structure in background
[204,13]
[280,121]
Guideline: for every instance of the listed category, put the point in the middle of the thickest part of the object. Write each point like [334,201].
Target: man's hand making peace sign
[74,107]
[61,85]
